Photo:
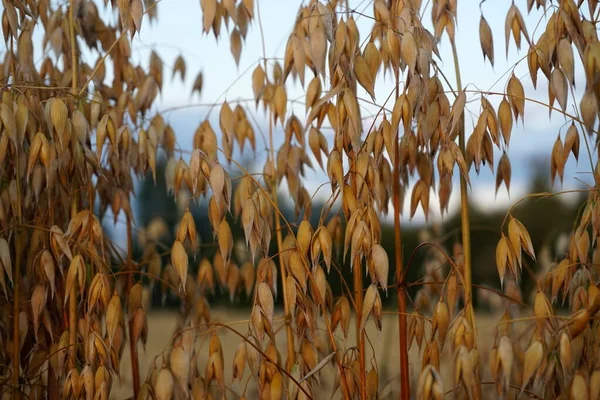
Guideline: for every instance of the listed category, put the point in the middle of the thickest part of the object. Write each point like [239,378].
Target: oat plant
[76,132]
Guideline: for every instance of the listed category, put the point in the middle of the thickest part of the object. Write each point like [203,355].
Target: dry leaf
[571,142]
[369,301]
[5,259]
[516,96]
[557,160]
[533,359]
[441,320]
[236,45]
[179,260]
[265,299]
[503,174]
[380,265]
[506,120]
[486,39]
[363,74]
[258,82]
[209,12]
[163,388]
[560,87]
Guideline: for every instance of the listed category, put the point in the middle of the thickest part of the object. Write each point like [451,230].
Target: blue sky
[179,31]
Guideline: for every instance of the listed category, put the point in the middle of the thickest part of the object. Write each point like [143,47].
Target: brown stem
[73,305]
[117,65]
[400,284]
[72,327]
[16,356]
[360,336]
[16,279]
[135,367]
[73,293]
[73,49]
[398,256]
[358,293]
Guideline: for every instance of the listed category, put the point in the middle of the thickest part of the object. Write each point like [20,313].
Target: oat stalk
[135,366]
[73,293]
[400,279]
[291,353]
[464,203]
[16,349]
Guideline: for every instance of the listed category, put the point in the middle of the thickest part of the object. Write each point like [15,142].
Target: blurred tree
[153,200]
[546,218]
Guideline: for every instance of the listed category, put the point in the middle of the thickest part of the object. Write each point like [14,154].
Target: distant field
[162,325]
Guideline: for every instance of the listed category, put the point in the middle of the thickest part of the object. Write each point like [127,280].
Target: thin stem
[112,46]
[529,99]
[99,64]
[73,307]
[358,292]
[73,293]
[464,205]
[358,299]
[17,270]
[135,368]
[543,195]
[262,353]
[291,353]
[16,278]
[72,326]
[73,49]
[400,275]
[489,289]
[398,258]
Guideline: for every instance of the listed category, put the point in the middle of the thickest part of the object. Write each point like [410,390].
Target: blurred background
[177,30]
[547,220]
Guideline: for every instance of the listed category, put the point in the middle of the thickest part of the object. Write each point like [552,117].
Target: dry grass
[73,137]
[163,324]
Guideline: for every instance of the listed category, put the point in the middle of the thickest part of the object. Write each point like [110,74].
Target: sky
[178,31]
